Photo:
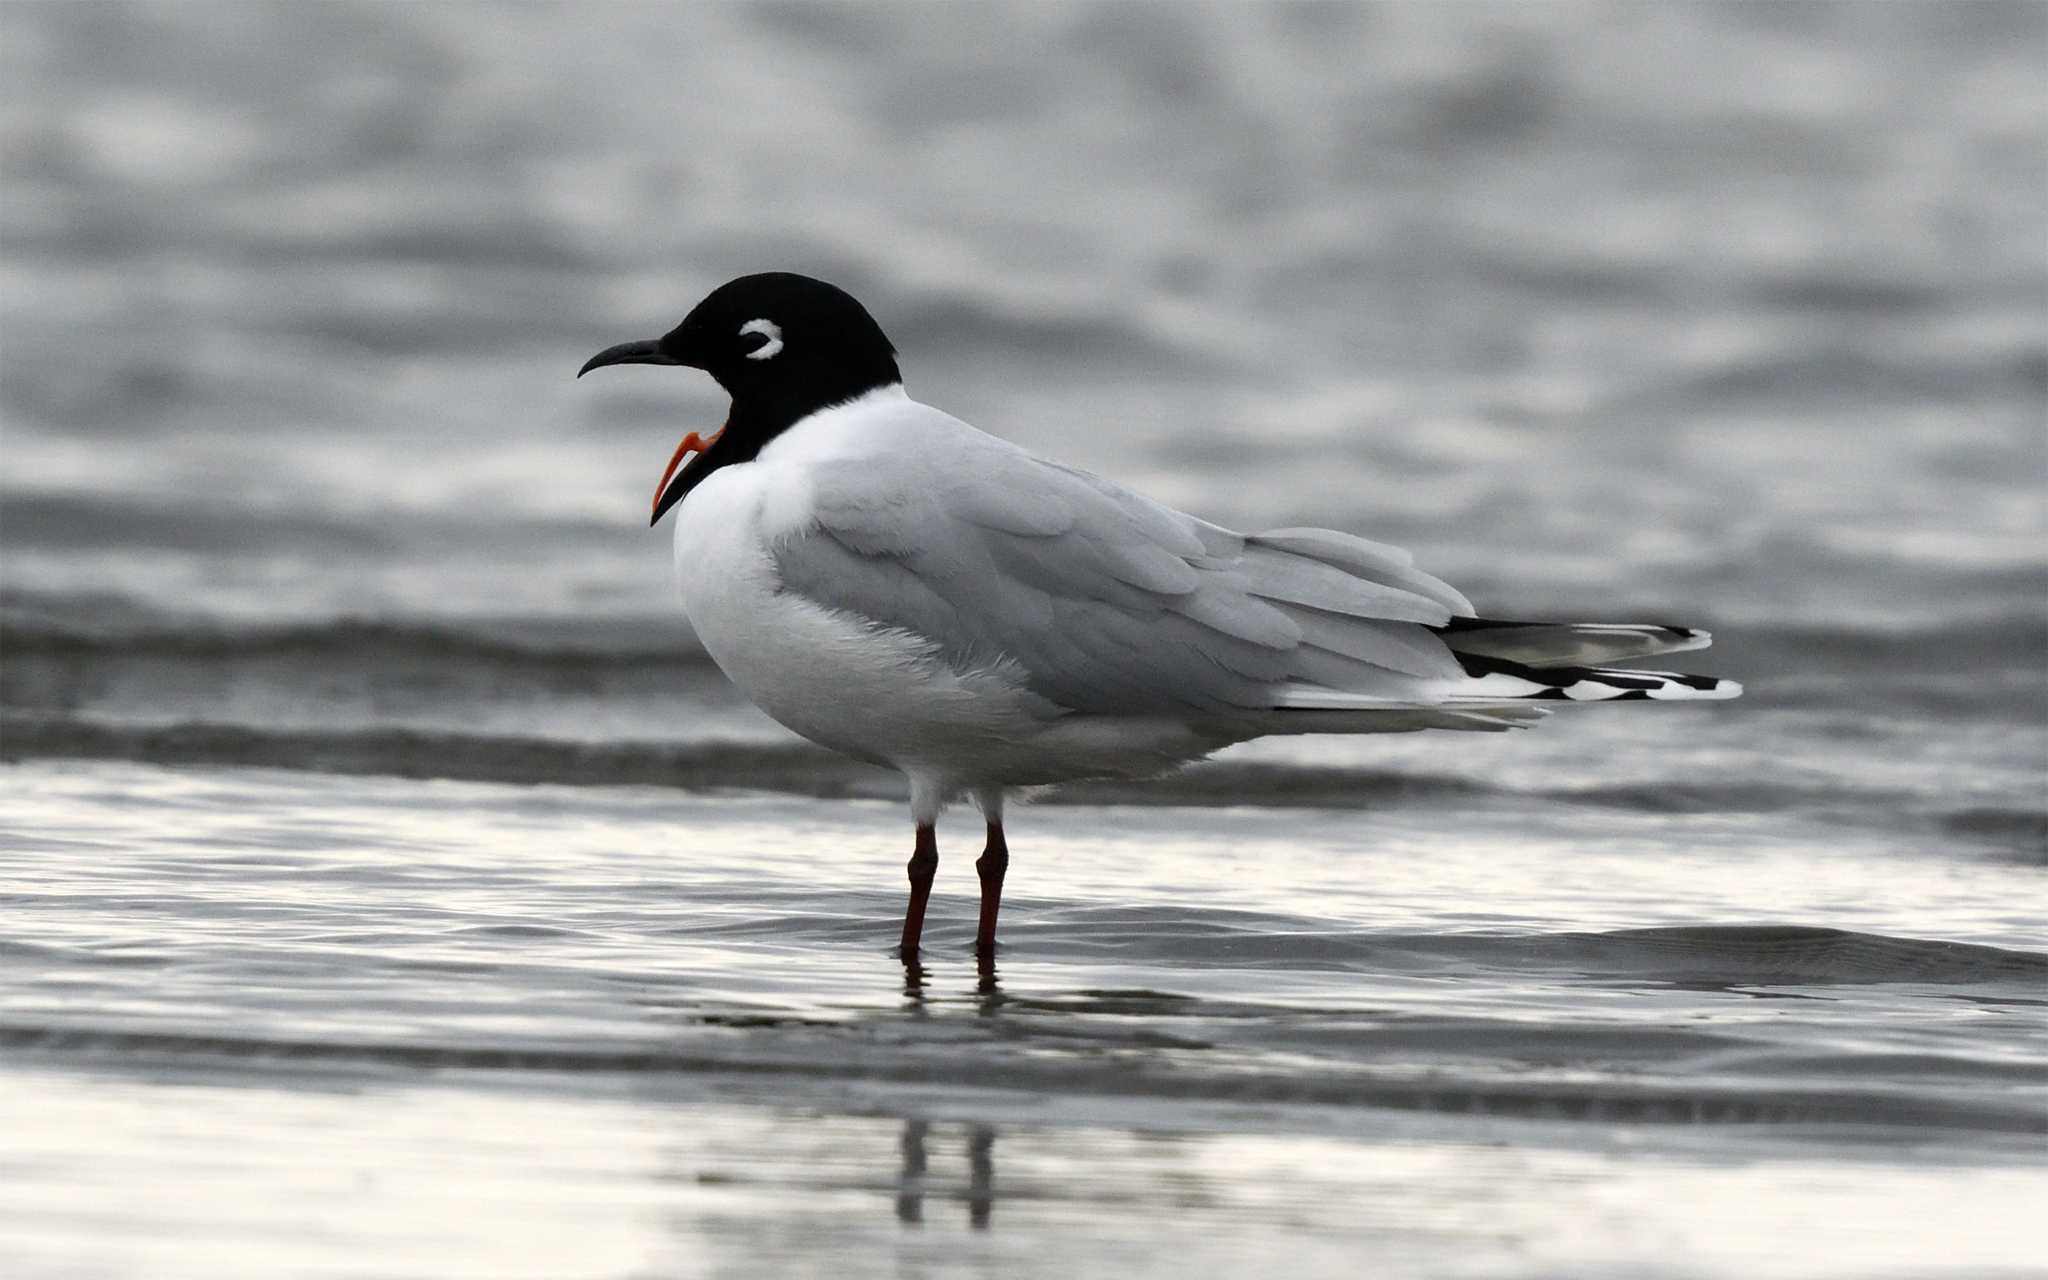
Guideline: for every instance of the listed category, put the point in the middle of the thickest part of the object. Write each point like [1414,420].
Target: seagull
[891,583]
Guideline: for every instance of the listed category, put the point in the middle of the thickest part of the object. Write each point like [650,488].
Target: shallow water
[392,888]
[465,1023]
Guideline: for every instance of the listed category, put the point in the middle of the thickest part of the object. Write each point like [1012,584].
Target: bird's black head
[782,345]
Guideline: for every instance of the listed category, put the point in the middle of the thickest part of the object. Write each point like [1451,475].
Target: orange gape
[691,444]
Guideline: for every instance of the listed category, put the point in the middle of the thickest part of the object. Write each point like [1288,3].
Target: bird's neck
[758,418]
[759,414]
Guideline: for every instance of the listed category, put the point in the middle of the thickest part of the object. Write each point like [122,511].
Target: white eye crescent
[767,329]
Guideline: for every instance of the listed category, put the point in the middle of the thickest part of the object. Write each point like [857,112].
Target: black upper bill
[646,351]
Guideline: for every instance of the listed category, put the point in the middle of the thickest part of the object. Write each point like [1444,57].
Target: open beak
[671,489]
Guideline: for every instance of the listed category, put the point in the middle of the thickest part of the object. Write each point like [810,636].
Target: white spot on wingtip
[767,329]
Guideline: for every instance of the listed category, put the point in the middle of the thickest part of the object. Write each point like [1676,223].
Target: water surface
[392,888]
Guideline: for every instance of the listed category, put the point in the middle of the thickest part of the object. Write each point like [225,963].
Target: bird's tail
[1512,674]
[1578,644]
[1562,662]
[1494,680]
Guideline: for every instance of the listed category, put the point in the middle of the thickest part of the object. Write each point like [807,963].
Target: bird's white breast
[865,690]
[873,692]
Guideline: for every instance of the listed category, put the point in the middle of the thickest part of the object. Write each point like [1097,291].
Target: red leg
[924,864]
[994,861]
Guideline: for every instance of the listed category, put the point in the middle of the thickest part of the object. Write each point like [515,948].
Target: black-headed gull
[892,583]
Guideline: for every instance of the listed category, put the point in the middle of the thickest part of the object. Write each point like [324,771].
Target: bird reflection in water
[981,1173]
[914,975]
[981,1139]
[988,989]
[988,993]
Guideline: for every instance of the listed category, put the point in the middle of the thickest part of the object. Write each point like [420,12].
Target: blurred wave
[1609,1103]
[1067,1043]
[800,769]
[619,700]
[1689,309]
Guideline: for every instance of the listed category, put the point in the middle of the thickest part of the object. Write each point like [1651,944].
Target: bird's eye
[765,337]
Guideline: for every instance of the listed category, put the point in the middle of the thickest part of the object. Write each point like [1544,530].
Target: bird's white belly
[876,693]
[868,691]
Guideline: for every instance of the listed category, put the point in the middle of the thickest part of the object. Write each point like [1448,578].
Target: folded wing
[1109,603]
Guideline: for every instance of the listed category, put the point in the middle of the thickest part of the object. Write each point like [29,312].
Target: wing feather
[1107,602]
[1279,575]
[1396,647]
[1373,561]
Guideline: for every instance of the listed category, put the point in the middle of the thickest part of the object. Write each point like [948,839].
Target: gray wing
[1108,602]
